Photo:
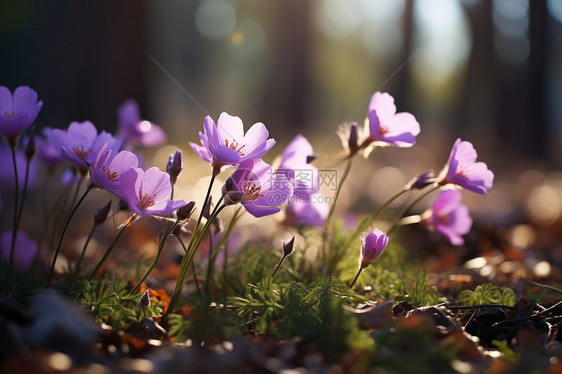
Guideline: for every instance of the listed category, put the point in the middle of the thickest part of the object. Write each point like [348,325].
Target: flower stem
[409,206]
[193,245]
[77,268]
[332,208]
[355,279]
[192,268]
[160,249]
[366,222]
[16,197]
[108,251]
[20,209]
[63,232]
[224,239]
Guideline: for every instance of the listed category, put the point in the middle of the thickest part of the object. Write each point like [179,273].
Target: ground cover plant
[106,263]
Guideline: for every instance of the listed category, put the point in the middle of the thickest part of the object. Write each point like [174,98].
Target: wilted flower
[463,170]
[449,216]
[147,193]
[387,126]
[25,249]
[135,130]
[17,112]
[81,142]
[257,188]
[225,144]
[372,245]
[106,169]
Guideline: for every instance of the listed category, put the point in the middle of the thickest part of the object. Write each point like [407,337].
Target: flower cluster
[293,182]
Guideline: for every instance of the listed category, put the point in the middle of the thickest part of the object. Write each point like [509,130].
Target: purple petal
[5,101]
[25,100]
[261,211]
[446,202]
[230,127]
[156,182]
[201,151]
[460,220]
[153,137]
[130,182]
[451,234]
[128,114]
[383,103]
[296,153]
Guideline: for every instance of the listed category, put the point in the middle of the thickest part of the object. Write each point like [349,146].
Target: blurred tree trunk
[402,79]
[285,96]
[476,105]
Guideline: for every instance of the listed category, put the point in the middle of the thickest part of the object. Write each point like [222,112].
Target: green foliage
[508,353]
[418,292]
[111,303]
[204,323]
[14,282]
[413,349]
[312,312]
[487,293]
[249,266]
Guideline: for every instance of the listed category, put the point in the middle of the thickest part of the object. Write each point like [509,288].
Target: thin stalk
[409,206]
[210,266]
[355,279]
[192,268]
[77,269]
[16,204]
[23,193]
[410,220]
[224,239]
[110,249]
[160,250]
[188,258]
[63,232]
[333,206]
[365,223]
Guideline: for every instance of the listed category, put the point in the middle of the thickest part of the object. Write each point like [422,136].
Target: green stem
[160,249]
[192,268]
[194,243]
[409,206]
[355,279]
[110,249]
[224,239]
[16,204]
[366,222]
[63,232]
[23,193]
[77,269]
[324,250]
[210,266]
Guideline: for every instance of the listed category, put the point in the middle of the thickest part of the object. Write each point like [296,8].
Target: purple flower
[306,208]
[24,250]
[81,142]
[257,188]
[294,165]
[17,111]
[450,217]
[135,130]
[7,168]
[174,166]
[385,125]
[372,245]
[106,170]
[147,193]
[463,170]
[47,153]
[225,144]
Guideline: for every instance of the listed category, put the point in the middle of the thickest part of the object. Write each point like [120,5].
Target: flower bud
[102,214]
[185,212]
[174,166]
[145,300]
[423,180]
[231,193]
[373,243]
[352,140]
[288,247]
[30,148]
